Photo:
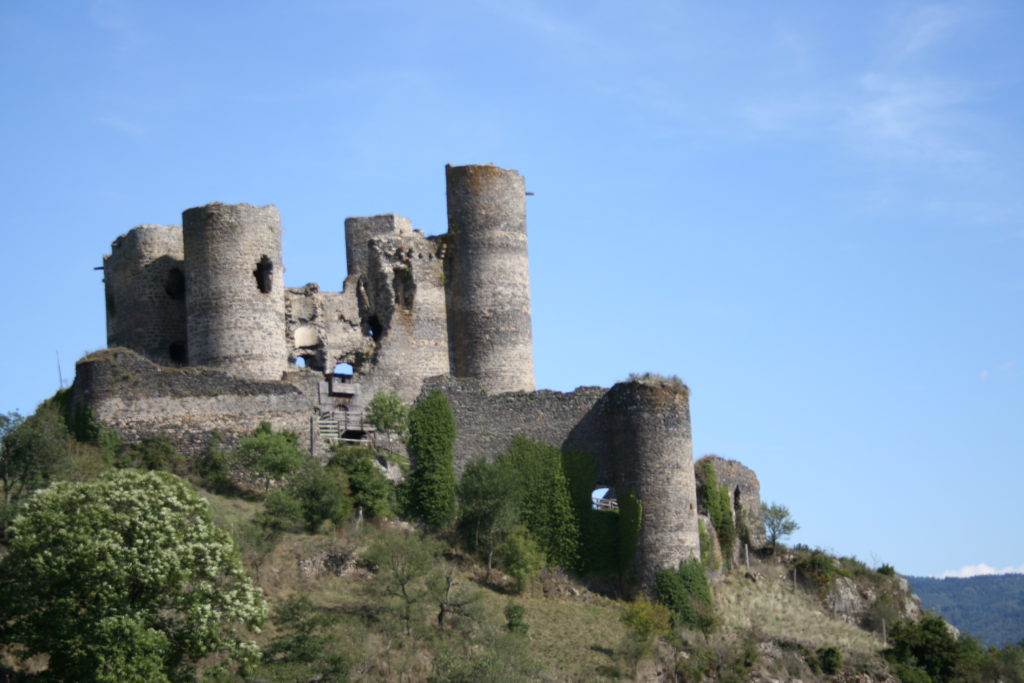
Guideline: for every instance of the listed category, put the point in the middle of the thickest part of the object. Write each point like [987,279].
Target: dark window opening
[405,288]
[736,500]
[178,353]
[264,274]
[374,327]
[175,284]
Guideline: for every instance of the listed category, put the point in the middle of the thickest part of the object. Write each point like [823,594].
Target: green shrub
[487,507]
[212,467]
[432,443]
[887,570]
[269,454]
[522,556]
[388,413]
[322,493]
[370,489]
[686,593]
[156,453]
[818,567]
[543,499]
[515,618]
[830,659]
[717,502]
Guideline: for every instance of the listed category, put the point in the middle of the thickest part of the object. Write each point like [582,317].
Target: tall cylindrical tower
[144,283]
[489,324]
[235,289]
[648,423]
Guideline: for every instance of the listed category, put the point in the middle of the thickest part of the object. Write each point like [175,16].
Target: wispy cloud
[979,570]
[927,26]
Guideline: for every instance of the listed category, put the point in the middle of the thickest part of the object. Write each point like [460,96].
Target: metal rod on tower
[60,375]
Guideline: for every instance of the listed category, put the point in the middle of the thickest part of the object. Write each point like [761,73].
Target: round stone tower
[235,289]
[648,423]
[489,325]
[144,283]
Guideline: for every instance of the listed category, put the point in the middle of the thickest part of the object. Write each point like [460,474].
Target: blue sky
[811,212]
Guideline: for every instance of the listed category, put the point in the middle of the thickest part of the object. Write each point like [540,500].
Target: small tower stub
[489,321]
[235,289]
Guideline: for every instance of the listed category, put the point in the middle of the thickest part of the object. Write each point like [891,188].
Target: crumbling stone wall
[138,398]
[745,491]
[144,284]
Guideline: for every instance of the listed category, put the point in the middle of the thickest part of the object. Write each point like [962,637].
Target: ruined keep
[204,337]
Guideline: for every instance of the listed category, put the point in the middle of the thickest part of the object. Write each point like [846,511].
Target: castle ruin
[204,337]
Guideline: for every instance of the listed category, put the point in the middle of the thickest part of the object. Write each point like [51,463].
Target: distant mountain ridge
[990,608]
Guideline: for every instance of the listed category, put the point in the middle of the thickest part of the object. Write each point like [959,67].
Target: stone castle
[204,337]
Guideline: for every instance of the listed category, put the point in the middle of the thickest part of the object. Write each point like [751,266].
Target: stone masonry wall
[138,398]
[745,490]
[489,320]
[144,285]
[235,289]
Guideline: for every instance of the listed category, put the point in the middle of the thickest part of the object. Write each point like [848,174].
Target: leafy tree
[388,413]
[685,591]
[212,466]
[432,442]
[370,489]
[401,563]
[927,644]
[322,493]
[33,451]
[778,523]
[457,602]
[645,620]
[543,499]
[487,507]
[522,556]
[270,455]
[124,578]
[153,453]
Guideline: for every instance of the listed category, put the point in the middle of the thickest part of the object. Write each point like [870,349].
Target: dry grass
[772,608]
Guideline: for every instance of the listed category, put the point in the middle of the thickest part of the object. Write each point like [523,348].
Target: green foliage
[487,507]
[270,455]
[830,659]
[388,413]
[543,499]
[927,644]
[522,556]
[33,451]
[686,593]
[631,515]
[708,557]
[887,570]
[156,453]
[599,529]
[432,442]
[370,489]
[777,523]
[646,620]
[990,608]
[212,466]
[717,501]
[401,563]
[124,578]
[282,510]
[322,493]
[301,630]
[817,566]
[515,618]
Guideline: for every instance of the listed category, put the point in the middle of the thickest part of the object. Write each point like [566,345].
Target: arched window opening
[175,284]
[264,274]
[344,369]
[299,361]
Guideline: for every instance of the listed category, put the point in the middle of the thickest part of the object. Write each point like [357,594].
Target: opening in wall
[343,369]
[178,352]
[264,274]
[375,329]
[175,284]
[604,499]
